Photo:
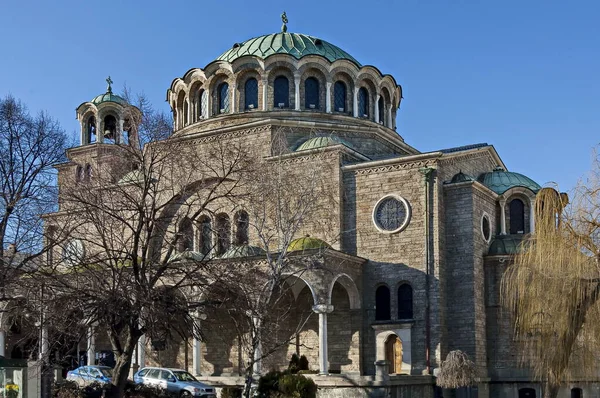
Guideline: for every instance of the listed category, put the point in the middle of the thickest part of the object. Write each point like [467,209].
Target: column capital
[322,308]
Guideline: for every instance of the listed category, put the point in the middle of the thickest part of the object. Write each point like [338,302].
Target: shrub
[142,391]
[297,386]
[66,389]
[294,365]
[231,392]
[303,363]
[268,384]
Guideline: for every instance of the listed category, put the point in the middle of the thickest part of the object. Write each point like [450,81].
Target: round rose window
[391,214]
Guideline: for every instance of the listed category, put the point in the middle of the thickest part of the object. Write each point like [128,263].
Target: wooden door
[393,354]
[398,355]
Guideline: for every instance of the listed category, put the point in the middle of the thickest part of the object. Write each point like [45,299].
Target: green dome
[321,142]
[506,245]
[187,255]
[294,44]
[501,181]
[243,251]
[307,243]
[108,97]
[461,177]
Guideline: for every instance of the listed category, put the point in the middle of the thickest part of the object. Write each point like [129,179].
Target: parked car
[86,375]
[177,382]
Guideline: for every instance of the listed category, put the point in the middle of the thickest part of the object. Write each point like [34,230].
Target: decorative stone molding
[322,309]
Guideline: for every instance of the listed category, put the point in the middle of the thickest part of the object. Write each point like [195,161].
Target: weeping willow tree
[552,288]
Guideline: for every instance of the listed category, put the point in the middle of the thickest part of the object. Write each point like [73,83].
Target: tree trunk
[120,374]
[550,391]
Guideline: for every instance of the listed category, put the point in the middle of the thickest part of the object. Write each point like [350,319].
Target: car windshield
[184,376]
[106,372]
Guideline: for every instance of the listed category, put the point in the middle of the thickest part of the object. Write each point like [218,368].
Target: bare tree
[290,197]
[551,291]
[123,269]
[29,147]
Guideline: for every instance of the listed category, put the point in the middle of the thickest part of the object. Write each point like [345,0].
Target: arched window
[185,113]
[241,228]
[88,172]
[576,393]
[281,92]
[186,235]
[223,233]
[339,96]
[205,235]
[110,128]
[526,393]
[381,106]
[223,97]
[382,304]
[405,302]
[91,130]
[203,104]
[79,174]
[363,102]
[251,94]
[517,217]
[311,93]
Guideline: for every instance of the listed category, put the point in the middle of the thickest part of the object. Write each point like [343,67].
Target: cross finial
[109,82]
[284,19]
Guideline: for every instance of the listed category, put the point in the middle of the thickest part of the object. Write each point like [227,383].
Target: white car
[177,382]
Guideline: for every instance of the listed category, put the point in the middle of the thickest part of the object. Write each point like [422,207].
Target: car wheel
[186,394]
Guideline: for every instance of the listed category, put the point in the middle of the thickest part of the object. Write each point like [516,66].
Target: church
[416,246]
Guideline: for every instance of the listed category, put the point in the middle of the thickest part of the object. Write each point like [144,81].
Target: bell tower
[108,119]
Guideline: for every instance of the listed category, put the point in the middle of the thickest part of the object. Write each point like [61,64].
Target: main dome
[294,44]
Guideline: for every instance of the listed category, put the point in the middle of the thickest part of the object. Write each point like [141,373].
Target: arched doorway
[393,354]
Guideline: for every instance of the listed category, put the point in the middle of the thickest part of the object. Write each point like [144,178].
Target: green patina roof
[506,245]
[108,97]
[243,251]
[188,255]
[501,181]
[461,177]
[294,44]
[321,142]
[307,243]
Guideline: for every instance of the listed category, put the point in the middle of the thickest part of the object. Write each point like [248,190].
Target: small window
[223,233]
[486,229]
[363,102]
[339,97]
[79,174]
[205,243]
[203,104]
[281,90]
[241,228]
[576,393]
[405,302]
[186,235]
[381,105]
[311,93]
[517,217]
[223,98]
[526,393]
[143,372]
[382,304]
[251,94]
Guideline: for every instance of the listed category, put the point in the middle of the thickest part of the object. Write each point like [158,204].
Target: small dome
[307,243]
[187,255]
[461,177]
[243,251]
[505,245]
[108,97]
[321,142]
[294,44]
[501,181]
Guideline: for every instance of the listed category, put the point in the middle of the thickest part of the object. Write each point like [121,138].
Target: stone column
[257,368]
[265,88]
[502,203]
[323,310]
[120,138]
[189,111]
[91,347]
[2,343]
[355,102]
[328,98]
[232,104]
[297,93]
[44,343]
[141,350]
[197,349]
[100,130]
[389,117]
[531,216]
[377,108]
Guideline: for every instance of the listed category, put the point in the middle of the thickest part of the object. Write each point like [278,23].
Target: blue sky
[521,75]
